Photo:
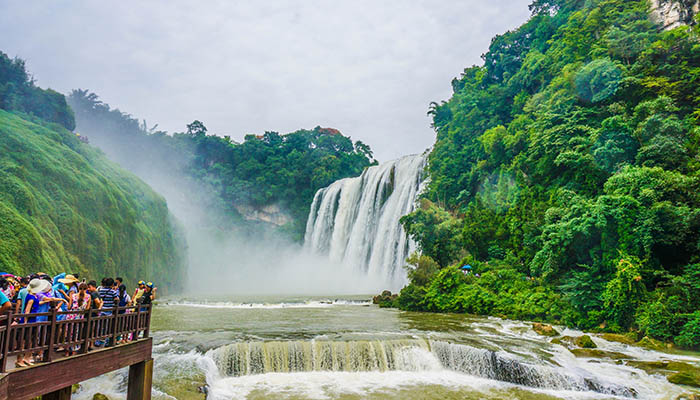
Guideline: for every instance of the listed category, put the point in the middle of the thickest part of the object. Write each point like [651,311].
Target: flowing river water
[328,348]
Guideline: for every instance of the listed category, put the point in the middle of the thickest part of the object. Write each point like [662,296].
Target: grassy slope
[65,207]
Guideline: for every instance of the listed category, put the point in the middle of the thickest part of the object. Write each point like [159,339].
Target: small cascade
[250,358]
[356,220]
[492,365]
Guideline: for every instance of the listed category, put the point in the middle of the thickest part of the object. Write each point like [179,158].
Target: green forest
[566,174]
[284,170]
[64,207]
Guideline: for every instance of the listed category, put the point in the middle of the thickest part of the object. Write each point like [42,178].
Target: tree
[196,128]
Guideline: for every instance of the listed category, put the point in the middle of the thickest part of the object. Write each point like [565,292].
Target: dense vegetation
[269,169]
[64,206]
[566,173]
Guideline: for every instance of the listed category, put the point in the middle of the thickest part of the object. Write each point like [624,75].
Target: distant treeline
[566,173]
[18,93]
[285,170]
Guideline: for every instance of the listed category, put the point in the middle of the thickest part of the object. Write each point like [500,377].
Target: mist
[225,255]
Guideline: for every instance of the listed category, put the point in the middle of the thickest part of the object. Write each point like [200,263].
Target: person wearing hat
[62,287]
[138,292]
[149,294]
[37,301]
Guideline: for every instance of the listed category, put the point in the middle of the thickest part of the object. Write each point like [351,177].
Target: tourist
[118,281]
[21,294]
[138,292]
[94,295]
[79,301]
[62,287]
[5,304]
[124,298]
[149,294]
[109,296]
[6,288]
[37,301]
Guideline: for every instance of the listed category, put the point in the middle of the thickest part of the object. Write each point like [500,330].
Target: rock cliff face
[673,13]
[271,214]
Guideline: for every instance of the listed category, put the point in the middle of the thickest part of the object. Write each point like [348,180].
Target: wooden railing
[66,329]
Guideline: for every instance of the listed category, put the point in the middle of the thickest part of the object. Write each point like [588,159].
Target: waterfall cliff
[356,220]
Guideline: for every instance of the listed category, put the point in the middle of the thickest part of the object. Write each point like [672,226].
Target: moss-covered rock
[596,353]
[544,329]
[585,342]
[628,338]
[649,366]
[651,344]
[685,378]
[185,388]
[566,341]
[99,396]
[682,367]
[688,396]
[75,388]
[386,299]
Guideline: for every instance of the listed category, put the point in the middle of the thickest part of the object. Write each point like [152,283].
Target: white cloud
[368,68]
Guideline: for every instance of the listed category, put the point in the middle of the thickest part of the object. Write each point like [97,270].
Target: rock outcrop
[544,329]
[673,13]
[271,214]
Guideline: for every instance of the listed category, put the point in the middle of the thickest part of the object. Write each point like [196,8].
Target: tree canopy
[570,159]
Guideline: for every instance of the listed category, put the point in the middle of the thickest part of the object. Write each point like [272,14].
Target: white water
[356,220]
[345,350]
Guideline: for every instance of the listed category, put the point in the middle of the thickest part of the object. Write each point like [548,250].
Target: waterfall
[250,358]
[356,220]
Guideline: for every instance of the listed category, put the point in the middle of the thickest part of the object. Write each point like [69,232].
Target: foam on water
[495,359]
[234,305]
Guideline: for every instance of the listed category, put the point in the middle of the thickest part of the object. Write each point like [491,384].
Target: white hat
[38,286]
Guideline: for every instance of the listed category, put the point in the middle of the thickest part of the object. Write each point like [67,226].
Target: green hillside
[566,173]
[65,207]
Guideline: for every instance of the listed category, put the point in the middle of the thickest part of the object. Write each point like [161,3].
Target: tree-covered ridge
[18,93]
[566,172]
[285,170]
[65,207]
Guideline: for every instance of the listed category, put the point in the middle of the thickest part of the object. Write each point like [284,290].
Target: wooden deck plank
[28,383]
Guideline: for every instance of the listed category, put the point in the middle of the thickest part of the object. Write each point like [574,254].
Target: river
[328,348]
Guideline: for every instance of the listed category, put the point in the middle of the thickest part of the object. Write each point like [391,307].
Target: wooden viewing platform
[53,377]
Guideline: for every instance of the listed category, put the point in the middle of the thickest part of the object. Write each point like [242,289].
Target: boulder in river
[544,329]
[651,344]
[585,341]
[685,378]
[627,338]
[386,299]
[596,353]
[99,396]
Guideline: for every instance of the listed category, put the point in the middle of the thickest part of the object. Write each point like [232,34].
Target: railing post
[88,331]
[148,320]
[138,322]
[51,332]
[6,345]
[114,326]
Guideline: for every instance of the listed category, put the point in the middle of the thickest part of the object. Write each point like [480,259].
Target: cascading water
[356,220]
[250,358]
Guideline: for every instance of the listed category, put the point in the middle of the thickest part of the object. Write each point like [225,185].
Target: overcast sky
[367,68]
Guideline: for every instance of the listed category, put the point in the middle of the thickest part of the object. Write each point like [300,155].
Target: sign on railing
[44,333]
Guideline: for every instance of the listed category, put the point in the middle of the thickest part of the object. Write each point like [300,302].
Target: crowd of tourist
[38,293]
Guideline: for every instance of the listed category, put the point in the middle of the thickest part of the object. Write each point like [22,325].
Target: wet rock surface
[544,329]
